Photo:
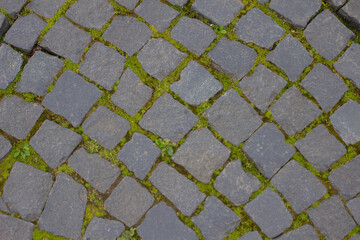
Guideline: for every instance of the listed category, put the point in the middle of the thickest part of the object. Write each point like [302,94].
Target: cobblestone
[11,62]
[46,8]
[100,228]
[12,228]
[5,147]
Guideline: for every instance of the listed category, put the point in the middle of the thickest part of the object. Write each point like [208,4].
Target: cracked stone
[46,8]
[12,228]
[130,4]
[10,64]
[104,229]
[4,24]
[12,7]
[351,12]
[354,207]
[303,232]
[5,147]
[251,236]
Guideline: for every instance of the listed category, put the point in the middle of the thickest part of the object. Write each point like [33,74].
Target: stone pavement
[179,119]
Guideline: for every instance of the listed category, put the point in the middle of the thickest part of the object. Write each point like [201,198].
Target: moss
[39,234]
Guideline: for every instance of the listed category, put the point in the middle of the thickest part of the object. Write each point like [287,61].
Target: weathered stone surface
[14,229]
[354,207]
[106,127]
[139,155]
[5,147]
[293,111]
[233,118]
[12,7]
[331,218]
[129,201]
[236,184]
[202,154]
[10,63]
[161,222]
[168,118]
[216,220]
[324,86]
[251,236]
[46,8]
[103,229]
[72,97]
[303,232]
[65,208]
[127,33]
[269,212]
[18,116]
[290,56]
[3,206]
[54,143]
[196,84]
[130,4]
[195,35]
[4,24]
[351,12]
[336,3]
[320,148]
[178,2]
[232,58]
[159,58]
[356,237]
[39,73]
[66,40]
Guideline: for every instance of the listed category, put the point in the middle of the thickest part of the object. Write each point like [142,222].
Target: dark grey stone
[291,56]
[4,24]
[12,7]
[139,155]
[5,147]
[46,8]
[303,232]
[168,118]
[128,34]
[216,220]
[97,171]
[12,228]
[157,14]
[3,206]
[202,154]
[336,3]
[39,73]
[354,207]
[232,58]
[195,35]
[159,58]
[72,97]
[196,84]
[177,188]
[106,127]
[236,184]
[351,12]
[130,4]
[293,111]
[179,3]
[320,148]
[54,143]
[103,229]
[131,94]
[10,64]
[103,65]
[161,222]
[268,211]
[18,116]
[251,235]
[66,40]
[233,118]
[256,27]
[328,35]
[331,218]
[324,86]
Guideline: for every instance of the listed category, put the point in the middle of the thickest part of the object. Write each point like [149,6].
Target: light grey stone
[130,4]
[3,206]
[12,7]
[103,229]
[10,64]
[251,236]
[303,232]
[354,207]
[356,237]
[179,3]
[4,24]
[12,228]
[46,8]
[5,147]
[351,12]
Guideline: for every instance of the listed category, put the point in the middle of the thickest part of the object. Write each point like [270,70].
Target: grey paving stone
[18,116]
[324,86]
[161,222]
[106,127]
[220,13]
[196,84]
[195,35]
[251,236]
[179,3]
[39,73]
[216,220]
[202,154]
[331,218]
[10,64]
[303,232]
[72,97]
[97,171]
[232,58]
[46,8]
[320,148]
[4,24]
[354,207]
[130,4]
[129,201]
[233,118]
[159,58]
[345,121]
[157,14]
[168,118]
[293,111]
[236,184]
[65,208]
[12,228]
[177,188]
[298,13]
[256,27]
[356,237]
[290,56]
[24,32]
[5,147]
[268,211]
[3,206]
[103,65]
[131,94]
[336,3]
[346,178]
[139,155]
[263,1]
[127,33]
[351,12]
[12,7]
[54,143]
[328,35]
[103,229]
[66,40]
[26,190]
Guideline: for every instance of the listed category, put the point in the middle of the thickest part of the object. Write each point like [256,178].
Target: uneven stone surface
[4,24]
[46,8]
[351,12]
[354,207]
[5,147]
[10,63]
[303,232]
[251,236]
[104,229]
[12,7]
[12,228]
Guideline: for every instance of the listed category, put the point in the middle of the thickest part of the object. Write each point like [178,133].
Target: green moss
[39,234]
